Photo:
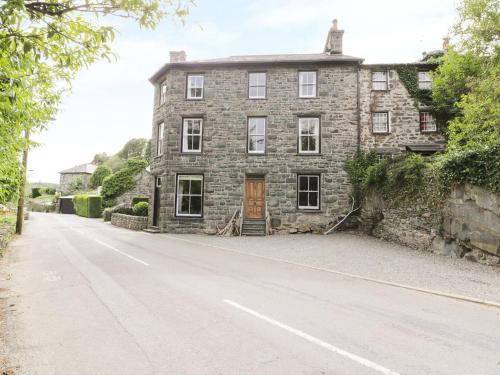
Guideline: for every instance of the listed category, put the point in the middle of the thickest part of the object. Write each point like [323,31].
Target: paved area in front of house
[370,257]
[84,297]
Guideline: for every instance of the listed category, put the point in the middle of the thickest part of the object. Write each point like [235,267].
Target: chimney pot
[177,56]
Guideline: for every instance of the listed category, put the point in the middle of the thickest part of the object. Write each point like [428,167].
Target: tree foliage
[118,183]
[134,148]
[467,85]
[101,172]
[42,45]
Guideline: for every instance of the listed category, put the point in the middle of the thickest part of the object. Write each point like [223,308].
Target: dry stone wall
[129,221]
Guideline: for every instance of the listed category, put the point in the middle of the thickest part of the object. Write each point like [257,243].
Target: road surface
[84,297]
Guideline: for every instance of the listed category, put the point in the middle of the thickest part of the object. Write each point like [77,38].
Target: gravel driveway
[371,257]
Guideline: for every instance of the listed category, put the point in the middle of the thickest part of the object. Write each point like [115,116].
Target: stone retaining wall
[467,226]
[129,221]
[471,221]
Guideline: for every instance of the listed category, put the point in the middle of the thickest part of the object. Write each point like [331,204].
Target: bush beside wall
[88,205]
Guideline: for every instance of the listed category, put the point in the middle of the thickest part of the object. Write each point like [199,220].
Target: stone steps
[254,228]
[152,229]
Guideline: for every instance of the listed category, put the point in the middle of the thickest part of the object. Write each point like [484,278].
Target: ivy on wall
[408,75]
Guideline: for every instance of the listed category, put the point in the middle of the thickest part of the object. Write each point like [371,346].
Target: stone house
[79,172]
[271,134]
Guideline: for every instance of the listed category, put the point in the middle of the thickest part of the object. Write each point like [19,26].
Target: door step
[253,228]
[152,230]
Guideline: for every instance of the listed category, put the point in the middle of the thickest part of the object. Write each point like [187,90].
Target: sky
[111,103]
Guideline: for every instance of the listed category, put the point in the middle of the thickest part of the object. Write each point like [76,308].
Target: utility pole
[22,186]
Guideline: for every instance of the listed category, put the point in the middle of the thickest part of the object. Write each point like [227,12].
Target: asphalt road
[88,298]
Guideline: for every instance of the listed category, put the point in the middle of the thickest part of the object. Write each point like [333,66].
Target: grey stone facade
[343,104]
[80,172]
[403,113]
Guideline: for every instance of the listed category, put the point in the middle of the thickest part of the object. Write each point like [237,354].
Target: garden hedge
[88,205]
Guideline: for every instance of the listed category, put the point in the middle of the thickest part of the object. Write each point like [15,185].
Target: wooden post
[22,186]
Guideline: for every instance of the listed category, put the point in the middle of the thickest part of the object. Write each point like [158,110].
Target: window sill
[194,99]
[311,211]
[191,153]
[428,131]
[308,97]
[257,98]
[380,90]
[306,154]
[188,218]
[380,133]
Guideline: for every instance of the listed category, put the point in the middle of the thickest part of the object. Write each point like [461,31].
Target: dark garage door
[66,206]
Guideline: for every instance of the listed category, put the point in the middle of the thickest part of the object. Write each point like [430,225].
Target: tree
[42,45]
[100,158]
[75,185]
[467,84]
[99,175]
[134,148]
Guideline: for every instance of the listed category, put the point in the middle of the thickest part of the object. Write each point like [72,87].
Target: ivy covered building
[270,134]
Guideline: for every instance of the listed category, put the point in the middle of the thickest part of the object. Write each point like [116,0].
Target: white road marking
[314,340]
[121,252]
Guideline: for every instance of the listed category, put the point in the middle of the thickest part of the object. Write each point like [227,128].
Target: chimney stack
[177,56]
[333,43]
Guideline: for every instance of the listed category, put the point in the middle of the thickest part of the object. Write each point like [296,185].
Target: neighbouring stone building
[271,134]
[77,173]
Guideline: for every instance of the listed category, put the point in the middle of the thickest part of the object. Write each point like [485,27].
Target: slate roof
[261,59]
[83,168]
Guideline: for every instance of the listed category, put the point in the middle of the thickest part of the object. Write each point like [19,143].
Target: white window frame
[429,121]
[302,122]
[376,82]
[186,135]
[302,84]
[249,136]
[424,80]
[160,131]
[178,198]
[388,122]
[259,85]
[308,191]
[189,86]
[163,92]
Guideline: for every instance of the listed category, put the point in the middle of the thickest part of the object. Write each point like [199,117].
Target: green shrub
[141,209]
[99,175]
[477,167]
[124,210]
[406,179]
[49,191]
[36,192]
[88,205]
[136,200]
[120,182]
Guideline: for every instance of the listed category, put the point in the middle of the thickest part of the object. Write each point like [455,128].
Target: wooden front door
[255,192]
